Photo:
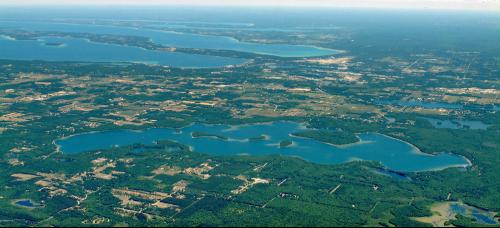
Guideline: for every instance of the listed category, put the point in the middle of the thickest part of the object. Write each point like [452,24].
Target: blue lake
[175,39]
[392,153]
[81,50]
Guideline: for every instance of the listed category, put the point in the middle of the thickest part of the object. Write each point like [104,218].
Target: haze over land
[418,4]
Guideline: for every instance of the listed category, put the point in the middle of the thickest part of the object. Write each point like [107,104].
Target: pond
[25,203]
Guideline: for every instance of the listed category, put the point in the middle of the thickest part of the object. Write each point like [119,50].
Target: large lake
[175,39]
[392,153]
[81,50]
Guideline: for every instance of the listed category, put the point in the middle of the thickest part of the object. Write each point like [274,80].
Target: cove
[81,50]
[225,140]
[175,39]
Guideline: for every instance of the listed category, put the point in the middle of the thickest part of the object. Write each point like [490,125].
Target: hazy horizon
[406,4]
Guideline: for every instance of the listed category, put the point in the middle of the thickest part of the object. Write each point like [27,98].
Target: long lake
[175,39]
[81,50]
[392,153]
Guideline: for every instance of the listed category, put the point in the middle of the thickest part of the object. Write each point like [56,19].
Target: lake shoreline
[230,141]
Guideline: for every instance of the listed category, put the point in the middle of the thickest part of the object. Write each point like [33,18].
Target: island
[286,143]
[198,134]
[330,137]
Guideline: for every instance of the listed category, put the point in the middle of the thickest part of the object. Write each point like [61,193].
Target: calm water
[481,216]
[25,203]
[174,39]
[394,154]
[457,124]
[81,50]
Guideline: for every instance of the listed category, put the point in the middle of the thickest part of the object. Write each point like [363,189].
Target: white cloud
[439,4]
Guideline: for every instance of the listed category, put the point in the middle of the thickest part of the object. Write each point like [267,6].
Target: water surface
[25,203]
[81,50]
[482,216]
[457,124]
[175,39]
[392,153]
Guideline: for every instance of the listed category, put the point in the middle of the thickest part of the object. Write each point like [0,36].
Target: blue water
[81,50]
[174,39]
[457,124]
[25,203]
[393,154]
[480,215]
[483,218]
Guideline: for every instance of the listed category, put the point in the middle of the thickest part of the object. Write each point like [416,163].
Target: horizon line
[463,5]
[488,9]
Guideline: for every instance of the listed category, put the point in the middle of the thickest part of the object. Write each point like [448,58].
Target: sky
[419,4]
